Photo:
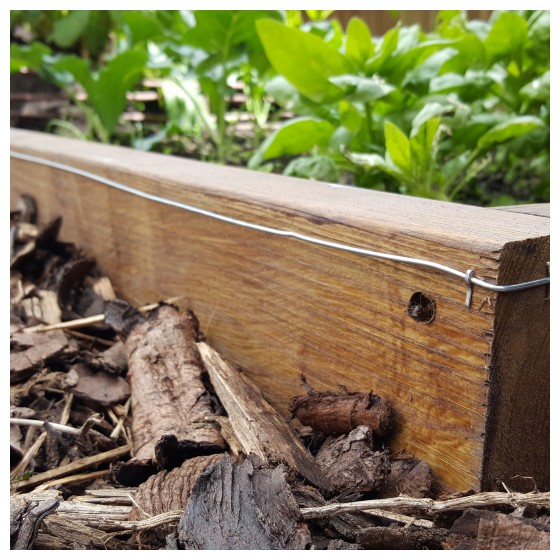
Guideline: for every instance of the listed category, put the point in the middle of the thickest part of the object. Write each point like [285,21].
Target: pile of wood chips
[129,431]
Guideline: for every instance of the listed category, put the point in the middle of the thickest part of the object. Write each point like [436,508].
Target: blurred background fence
[380,21]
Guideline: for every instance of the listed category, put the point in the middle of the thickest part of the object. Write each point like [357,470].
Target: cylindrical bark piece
[168,395]
[339,413]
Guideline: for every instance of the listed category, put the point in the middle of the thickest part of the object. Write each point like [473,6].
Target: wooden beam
[279,307]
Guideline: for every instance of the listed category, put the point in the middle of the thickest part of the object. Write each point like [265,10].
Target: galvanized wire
[467,276]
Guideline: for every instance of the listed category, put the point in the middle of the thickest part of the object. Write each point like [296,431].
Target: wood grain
[280,307]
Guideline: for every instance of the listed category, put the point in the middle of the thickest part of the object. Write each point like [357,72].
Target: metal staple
[467,276]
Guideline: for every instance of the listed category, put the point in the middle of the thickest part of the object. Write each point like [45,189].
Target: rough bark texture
[25,519]
[168,393]
[410,477]
[350,463]
[401,538]
[243,507]
[491,530]
[340,413]
[167,491]
[39,349]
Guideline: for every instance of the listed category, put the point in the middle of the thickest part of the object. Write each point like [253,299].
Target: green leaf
[27,56]
[360,89]
[510,128]
[319,168]
[216,31]
[69,69]
[428,68]
[471,87]
[397,146]
[538,89]
[295,137]
[115,80]
[185,106]
[428,112]
[68,30]
[471,54]
[350,117]
[422,148]
[359,45]
[507,36]
[388,47]
[375,161]
[142,26]
[305,60]
[318,15]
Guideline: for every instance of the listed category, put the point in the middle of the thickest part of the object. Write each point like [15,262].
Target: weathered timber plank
[279,307]
[542,209]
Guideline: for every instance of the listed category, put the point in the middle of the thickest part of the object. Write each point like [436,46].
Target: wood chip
[41,348]
[98,388]
[350,462]
[243,507]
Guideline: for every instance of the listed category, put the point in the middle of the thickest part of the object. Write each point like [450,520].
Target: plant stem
[369,122]
[221,109]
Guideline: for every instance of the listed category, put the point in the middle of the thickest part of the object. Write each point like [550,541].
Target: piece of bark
[491,530]
[167,491]
[409,477]
[113,360]
[401,538]
[40,349]
[25,520]
[98,388]
[257,425]
[339,413]
[350,462]
[243,507]
[168,395]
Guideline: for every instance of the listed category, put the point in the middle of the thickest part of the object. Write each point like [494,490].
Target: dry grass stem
[429,506]
[78,465]
[75,478]
[87,321]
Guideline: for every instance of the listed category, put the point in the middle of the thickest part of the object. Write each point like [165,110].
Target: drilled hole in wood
[421,308]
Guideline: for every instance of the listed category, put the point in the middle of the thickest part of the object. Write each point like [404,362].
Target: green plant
[106,89]
[226,44]
[420,113]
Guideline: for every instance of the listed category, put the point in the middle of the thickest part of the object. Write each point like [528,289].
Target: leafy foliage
[420,113]
[460,113]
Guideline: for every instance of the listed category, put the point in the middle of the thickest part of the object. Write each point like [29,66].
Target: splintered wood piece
[340,413]
[242,507]
[350,462]
[168,397]
[257,425]
[491,530]
[43,307]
